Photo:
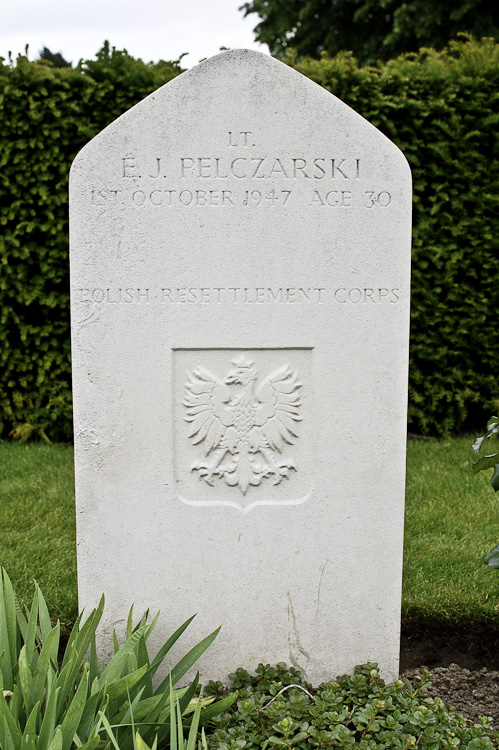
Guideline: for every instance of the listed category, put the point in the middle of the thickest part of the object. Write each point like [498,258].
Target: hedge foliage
[47,115]
[441,109]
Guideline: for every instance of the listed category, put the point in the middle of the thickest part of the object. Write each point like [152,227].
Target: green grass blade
[93,662]
[31,633]
[22,622]
[74,633]
[142,745]
[152,626]
[114,669]
[43,614]
[5,646]
[143,659]
[77,649]
[3,734]
[9,741]
[26,680]
[16,705]
[11,617]
[48,657]
[147,708]
[73,715]
[142,653]
[120,687]
[96,728]
[48,724]
[139,743]
[173,721]
[129,623]
[11,732]
[29,735]
[80,643]
[186,698]
[215,709]
[56,743]
[193,731]
[183,698]
[127,713]
[61,679]
[107,727]
[159,712]
[158,659]
[188,661]
[178,720]
[92,744]
[90,711]
[143,621]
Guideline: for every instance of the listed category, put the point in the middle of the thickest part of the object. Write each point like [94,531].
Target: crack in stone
[319,586]
[296,650]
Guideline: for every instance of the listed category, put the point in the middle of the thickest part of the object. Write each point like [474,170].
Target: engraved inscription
[119,296]
[367,294]
[241,138]
[235,295]
[241,175]
[372,198]
[242,295]
[266,167]
[244,424]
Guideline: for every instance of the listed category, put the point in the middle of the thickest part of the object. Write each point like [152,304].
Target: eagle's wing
[279,394]
[206,398]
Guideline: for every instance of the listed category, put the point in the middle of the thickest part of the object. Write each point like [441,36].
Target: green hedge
[441,109]
[47,114]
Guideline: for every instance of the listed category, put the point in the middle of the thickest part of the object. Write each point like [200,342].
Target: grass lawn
[452,521]
[37,523]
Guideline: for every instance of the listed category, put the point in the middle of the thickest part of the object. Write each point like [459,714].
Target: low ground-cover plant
[277,709]
[49,703]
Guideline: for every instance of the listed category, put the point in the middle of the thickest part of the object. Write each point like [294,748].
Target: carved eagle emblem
[243,423]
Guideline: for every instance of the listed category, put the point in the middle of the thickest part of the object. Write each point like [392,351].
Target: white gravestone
[240,255]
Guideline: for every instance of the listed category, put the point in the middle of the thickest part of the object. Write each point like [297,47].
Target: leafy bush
[77,703]
[441,109]
[277,709]
[491,461]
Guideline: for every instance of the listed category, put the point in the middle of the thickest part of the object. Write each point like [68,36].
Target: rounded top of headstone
[236,86]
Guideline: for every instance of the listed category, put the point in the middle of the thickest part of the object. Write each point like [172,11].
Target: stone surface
[240,250]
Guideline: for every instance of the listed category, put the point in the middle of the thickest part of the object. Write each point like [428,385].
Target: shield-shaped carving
[242,426]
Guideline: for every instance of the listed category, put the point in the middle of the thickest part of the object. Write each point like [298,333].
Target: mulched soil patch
[471,693]
[463,663]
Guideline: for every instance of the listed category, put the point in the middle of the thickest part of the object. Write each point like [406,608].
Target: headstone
[240,251]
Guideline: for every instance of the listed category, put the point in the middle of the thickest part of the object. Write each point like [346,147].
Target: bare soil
[464,666]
